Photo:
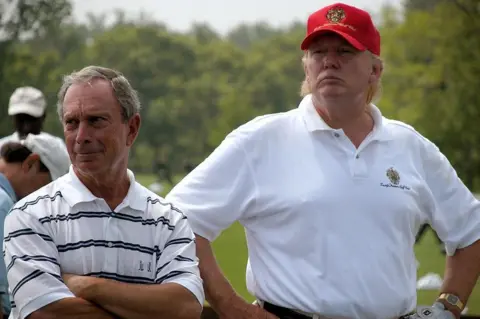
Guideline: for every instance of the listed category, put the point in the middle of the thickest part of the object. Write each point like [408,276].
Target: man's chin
[88,167]
[331,91]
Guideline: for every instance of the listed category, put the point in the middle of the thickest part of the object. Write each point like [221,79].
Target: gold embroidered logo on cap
[335,15]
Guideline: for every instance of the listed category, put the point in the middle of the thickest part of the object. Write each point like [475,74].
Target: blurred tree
[197,86]
[203,33]
[33,17]
[430,75]
[424,5]
[244,35]
[23,19]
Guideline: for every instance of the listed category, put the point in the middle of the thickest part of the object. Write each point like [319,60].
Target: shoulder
[266,123]
[405,132]
[408,140]
[158,207]
[261,128]
[40,202]
[7,138]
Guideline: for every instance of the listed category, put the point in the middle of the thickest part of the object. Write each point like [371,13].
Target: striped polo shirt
[64,228]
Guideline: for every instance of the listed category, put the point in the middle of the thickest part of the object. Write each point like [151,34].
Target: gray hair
[126,96]
[376,88]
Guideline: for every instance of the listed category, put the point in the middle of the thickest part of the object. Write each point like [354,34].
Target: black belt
[285,313]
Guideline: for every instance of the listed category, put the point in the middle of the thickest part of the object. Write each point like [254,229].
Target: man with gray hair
[95,243]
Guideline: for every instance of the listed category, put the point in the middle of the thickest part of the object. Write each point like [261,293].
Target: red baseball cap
[353,24]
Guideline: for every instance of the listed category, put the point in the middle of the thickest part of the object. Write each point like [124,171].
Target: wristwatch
[451,300]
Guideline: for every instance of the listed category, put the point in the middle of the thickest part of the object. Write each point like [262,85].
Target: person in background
[26,166]
[27,108]
[331,195]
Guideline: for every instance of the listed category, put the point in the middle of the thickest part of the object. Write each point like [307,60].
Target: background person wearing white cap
[27,108]
[26,166]
[331,195]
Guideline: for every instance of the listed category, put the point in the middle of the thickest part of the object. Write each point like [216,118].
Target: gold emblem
[393,176]
[335,15]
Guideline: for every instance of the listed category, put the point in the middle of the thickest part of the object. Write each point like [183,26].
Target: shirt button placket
[109,237]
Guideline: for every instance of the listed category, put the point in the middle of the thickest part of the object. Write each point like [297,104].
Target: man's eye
[96,119]
[346,50]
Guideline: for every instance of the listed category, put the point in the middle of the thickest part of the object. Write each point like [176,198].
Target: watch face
[452,299]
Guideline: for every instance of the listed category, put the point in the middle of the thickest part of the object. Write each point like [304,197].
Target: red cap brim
[309,38]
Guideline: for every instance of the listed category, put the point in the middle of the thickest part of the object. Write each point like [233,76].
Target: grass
[231,252]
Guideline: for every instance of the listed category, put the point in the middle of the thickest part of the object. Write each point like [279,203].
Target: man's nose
[331,60]
[83,133]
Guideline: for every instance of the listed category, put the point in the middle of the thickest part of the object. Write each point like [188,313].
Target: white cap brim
[23,108]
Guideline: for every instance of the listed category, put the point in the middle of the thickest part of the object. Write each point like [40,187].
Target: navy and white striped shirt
[64,228]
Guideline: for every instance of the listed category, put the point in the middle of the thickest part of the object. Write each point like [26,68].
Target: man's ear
[32,162]
[133,128]
[377,70]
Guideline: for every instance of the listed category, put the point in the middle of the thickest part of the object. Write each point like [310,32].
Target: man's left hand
[81,286]
[433,312]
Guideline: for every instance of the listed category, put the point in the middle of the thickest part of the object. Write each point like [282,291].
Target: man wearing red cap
[331,195]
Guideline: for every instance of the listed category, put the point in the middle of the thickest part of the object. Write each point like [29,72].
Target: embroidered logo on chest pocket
[394,180]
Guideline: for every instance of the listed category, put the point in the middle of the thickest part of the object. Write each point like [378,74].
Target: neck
[354,118]
[27,188]
[111,186]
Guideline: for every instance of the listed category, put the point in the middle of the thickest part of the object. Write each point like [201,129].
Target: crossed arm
[40,291]
[104,298]
[136,301]
[71,307]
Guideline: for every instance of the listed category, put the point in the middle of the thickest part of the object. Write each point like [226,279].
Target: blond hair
[374,90]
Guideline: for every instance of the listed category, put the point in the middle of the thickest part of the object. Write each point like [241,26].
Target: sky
[222,15]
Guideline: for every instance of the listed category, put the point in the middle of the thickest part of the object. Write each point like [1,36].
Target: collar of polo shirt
[315,123]
[76,192]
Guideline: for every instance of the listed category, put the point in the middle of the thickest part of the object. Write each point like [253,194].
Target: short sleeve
[454,211]
[177,262]
[6,204]
[219,191]
[33,271]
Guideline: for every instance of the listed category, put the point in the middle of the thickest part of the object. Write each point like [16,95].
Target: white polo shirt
[64,228]
[330,228]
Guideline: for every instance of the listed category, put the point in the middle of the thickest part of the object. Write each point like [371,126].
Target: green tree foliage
[26,19]
[197,86]
[432,67]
